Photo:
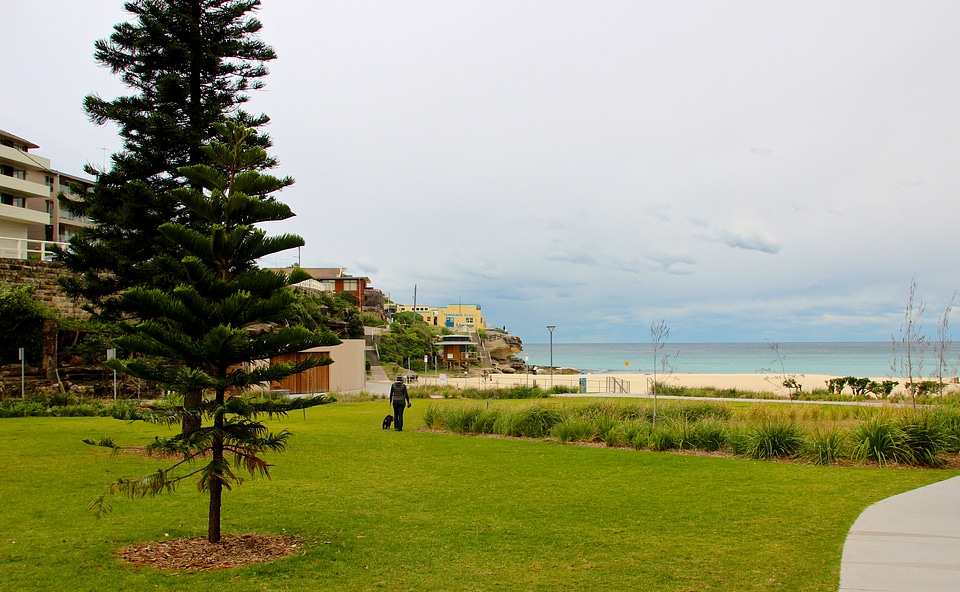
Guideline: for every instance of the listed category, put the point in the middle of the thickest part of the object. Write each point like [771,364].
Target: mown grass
[419,510]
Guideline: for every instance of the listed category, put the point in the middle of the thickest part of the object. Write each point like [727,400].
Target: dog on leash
[387,421]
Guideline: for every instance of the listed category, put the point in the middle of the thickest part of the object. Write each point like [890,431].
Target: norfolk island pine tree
[188,64]
[215,333]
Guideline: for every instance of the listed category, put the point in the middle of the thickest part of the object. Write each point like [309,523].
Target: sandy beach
[636,384]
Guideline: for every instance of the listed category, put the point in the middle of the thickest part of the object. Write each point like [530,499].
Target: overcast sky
[743,170]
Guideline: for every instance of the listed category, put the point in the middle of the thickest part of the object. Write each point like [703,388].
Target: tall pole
[551,328]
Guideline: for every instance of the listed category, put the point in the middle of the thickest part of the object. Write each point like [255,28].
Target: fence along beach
[759,367]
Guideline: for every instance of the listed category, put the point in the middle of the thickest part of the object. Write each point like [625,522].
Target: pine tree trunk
[192,421]
[216,493]
[216,488]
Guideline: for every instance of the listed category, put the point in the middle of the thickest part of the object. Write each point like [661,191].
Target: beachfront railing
[25,248]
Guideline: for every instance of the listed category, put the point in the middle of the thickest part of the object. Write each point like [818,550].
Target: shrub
[773,438]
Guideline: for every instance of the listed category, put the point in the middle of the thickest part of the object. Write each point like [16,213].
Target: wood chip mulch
[199,555]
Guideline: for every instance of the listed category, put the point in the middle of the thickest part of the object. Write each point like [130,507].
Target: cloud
[751,241]
[672,263]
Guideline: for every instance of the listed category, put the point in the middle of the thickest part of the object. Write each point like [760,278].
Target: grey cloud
[755,241]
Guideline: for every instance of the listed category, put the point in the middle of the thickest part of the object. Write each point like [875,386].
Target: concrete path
[907,543]
[378,374]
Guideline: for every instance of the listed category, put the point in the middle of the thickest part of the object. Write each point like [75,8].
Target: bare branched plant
[911,347]
[945,366]
[659,334]
[778,369]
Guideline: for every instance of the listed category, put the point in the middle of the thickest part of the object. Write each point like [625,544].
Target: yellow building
[453,317]
[31,221]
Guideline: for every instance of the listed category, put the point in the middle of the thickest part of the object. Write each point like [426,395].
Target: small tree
[216,333]
[21,324]
[910,348]
[944,366]
[788,381]
[659,334]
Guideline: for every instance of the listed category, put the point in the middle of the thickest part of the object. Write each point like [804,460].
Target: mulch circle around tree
[200,555]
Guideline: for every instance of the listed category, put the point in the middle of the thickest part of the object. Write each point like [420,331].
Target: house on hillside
[334,280]
[453,317]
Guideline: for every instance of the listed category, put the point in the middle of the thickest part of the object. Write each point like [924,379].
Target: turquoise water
[871,359]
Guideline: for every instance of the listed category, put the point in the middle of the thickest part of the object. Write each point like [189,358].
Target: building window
[50,206]
[350,285]
[12,200]
[328,285]
[49,181]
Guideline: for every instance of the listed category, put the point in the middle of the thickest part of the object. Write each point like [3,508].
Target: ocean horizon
[861,359]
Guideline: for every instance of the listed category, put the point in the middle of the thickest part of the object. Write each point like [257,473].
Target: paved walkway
[907,543]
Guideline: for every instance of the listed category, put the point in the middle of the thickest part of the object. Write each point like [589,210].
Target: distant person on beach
[399,398]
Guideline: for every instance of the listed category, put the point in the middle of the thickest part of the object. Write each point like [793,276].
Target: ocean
[871,359]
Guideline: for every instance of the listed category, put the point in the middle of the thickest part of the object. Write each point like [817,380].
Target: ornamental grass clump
[484,421]
[773,438]
[880,439]
[530,422]
[664,437]
[825,446]
[709,435]
[926,436]
[460,419]
[574,430]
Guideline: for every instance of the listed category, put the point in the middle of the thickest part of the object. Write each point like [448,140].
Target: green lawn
[424,511]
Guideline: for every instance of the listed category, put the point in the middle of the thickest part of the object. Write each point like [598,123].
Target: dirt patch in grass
[200,555]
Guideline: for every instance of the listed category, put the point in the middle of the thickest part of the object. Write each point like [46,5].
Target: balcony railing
[24,248]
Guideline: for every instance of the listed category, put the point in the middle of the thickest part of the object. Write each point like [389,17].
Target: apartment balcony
[23,188]
[23,160]
[10,213]
[22,248]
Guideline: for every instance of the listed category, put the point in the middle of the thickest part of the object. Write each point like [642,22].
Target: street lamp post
[551,328]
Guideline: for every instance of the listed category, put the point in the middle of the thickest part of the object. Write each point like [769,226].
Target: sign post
[111,354]
[23,380]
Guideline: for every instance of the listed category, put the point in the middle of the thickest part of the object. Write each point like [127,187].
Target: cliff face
[503,348]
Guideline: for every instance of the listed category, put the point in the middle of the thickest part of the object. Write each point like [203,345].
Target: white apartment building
[31,220]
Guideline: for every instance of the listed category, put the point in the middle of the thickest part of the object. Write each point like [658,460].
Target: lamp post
[551,328]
